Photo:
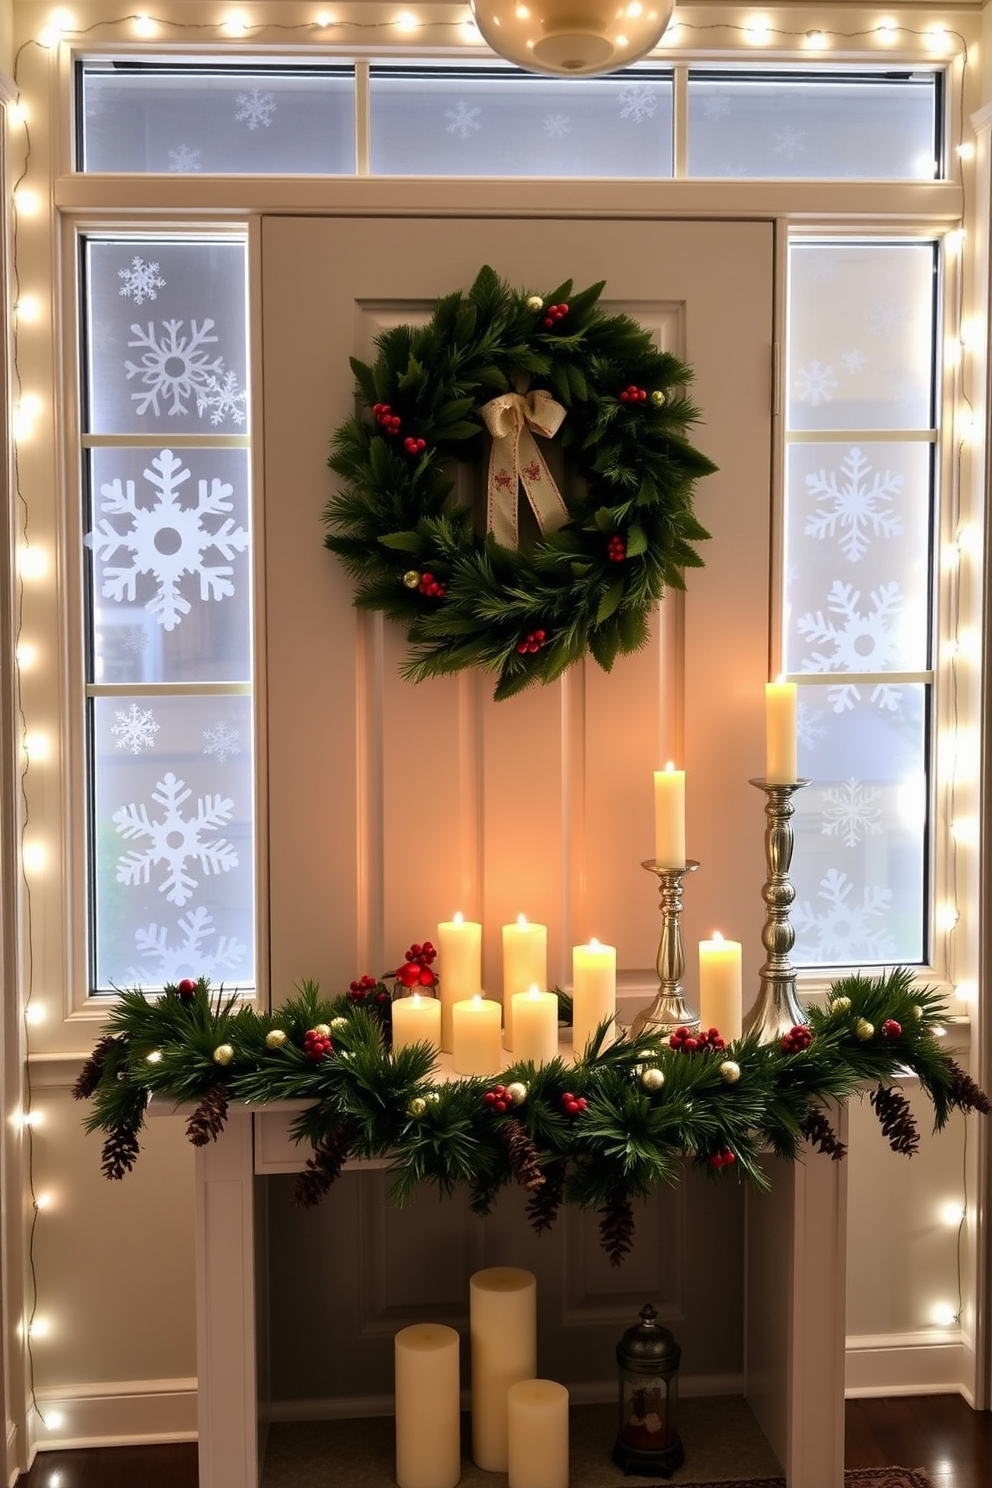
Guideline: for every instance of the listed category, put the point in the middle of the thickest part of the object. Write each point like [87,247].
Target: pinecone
[965,1094]
[818,1131]
[524,1160]
[89,1075]
[325,1166]
[120,1152]
[897,1121]
[207,1121]
[544,1202]
[616,1227]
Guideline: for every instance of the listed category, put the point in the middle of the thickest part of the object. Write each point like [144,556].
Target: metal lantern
[648,1438]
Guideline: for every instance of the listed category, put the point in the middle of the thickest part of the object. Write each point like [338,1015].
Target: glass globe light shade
[572,38]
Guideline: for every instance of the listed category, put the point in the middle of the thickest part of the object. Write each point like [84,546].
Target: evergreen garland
[526,614]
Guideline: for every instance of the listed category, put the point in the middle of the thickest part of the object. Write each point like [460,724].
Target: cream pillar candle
[535,1026]
[525,964]
[669,817]
[720,985]
[780,733]
[594,991]
[476,1046]
[416,1020]
[537,1428]
[428,1420]
[503,1329]
[459,954]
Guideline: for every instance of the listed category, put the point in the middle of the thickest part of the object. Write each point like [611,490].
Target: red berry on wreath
[187,989]
[414,446]
[532,642]
[616,549]
[798,1038]
[891,1029]
[316,1046]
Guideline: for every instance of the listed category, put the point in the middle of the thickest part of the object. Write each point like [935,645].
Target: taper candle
[535,1026]
[459,954]
[669,817]
[525,964]
[781,767]
[476,1048]
[416,1020]
[503,1328]
[537,1428]
[720,985]
[428,1403]
[594,991]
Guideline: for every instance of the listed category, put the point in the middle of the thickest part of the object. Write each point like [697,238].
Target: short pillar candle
[428,1420]
[781,767]
[416,1020]
[594,991]
[503,1328]
[525,964]
[537,1426]
[721,985]
[476,1045]
[459,955]
[535,1026]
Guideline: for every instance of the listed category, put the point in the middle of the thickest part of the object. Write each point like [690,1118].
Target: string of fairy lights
[407,30]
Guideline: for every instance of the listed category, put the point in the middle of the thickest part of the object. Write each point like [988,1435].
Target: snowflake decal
[141,281]
[190,957]
[174,840]
[462,119]
[255,108]
[789,142]
[853,361]
[221,742]
[185,159]
[859,642]
[557,125]
[716,106]
[174,367]
[856,507]
[885,317]
[843,933]
[809,728]
[815,384]
[637,103]
[135,728]
[166,540]
[134,640]
[222,398]
[851,812]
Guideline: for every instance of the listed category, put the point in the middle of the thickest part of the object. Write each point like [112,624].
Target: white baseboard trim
[117,1414]
[926,1363]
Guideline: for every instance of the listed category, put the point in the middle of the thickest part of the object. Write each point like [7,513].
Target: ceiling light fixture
[572,38]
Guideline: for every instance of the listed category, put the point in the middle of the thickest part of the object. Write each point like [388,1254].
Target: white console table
[794,1304]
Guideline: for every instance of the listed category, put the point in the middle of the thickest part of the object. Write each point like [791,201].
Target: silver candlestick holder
[668,1011]
[777,1007]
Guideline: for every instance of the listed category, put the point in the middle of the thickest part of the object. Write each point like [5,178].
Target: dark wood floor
[940,1434]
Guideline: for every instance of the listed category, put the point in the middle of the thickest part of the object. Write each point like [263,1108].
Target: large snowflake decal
[843,933]
[789,142]
[190,957]
[462,119]
[851,812]
[637,102]
[221,742]
[255,108]
[556,126]
[815,384]
[174,840]
[141,281]
[857,507]
[185,159]
[135,728]
[859,642]
[166,540]
[175,367]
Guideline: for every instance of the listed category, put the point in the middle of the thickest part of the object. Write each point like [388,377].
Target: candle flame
[416,999]
[670,767]
[717,938]
[533,991]
[593,944]
[477,1000]
[457,918]
[522,921]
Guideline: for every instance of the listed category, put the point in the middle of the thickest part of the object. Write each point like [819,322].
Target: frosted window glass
[861,336]
[172,839]
[857,524]
[234,121]
[503,124]
[808,128]
[170,565]
[166,337]
[860,825]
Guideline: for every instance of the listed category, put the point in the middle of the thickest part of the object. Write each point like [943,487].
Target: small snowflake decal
[789,142]
[851,812]
[134,640]
[191,957]
[637,103]
[716,106]
[184,159]
[221,399]
[809,727]
[174,840]
[141,281]
[221,742]
[135,728]
[843,933]
[557,125]
[255,108]
[856,508]
[462,119]
[815,384]
[166,540]
[885,317]
[860,642]
[853,361]
[174,367]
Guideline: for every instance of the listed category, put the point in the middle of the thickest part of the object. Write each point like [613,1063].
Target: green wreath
[515,363]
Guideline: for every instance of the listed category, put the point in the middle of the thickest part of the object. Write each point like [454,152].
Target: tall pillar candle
[535,1026]
[594,991]
[781,767]
[459,953]
[720,985]
[537,1428]
[476,1045]
[669,817]
[416,1020]
[503,1329]
[525,964]
[428,1403]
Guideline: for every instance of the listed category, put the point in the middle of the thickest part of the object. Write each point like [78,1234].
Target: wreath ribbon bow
[515,460]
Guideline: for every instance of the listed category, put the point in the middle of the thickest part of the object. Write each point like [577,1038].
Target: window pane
[166,337]
[139,117]
[172,839]
[483,123]
[800,127]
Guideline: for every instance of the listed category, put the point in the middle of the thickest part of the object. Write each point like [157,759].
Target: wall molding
[117,1414]
[925,1363]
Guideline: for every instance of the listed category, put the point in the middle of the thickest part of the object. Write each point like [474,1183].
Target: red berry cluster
[532,641]
[799,1037]
[891,1029]
[634,394]
[616,549]
[725,1159]
[359,991]
[687,1041]
[414,446]
[573,1105]
[429,585]
[316,1046]
[553,315]
[385,416]
[187,989]
[416,969]
[497,1099]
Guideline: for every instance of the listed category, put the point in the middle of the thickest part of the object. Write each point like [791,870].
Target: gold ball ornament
[864,1030]
[275,1038]
[653,1078]
[917,1012]
[517,1091]
[657,397]
[731,1071]
[411,578]
[840,1005]
[418,1106]
[535,303]
[223,1054]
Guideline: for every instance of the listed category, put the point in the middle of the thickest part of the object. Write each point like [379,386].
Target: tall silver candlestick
[668,1011]
[777,1008]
